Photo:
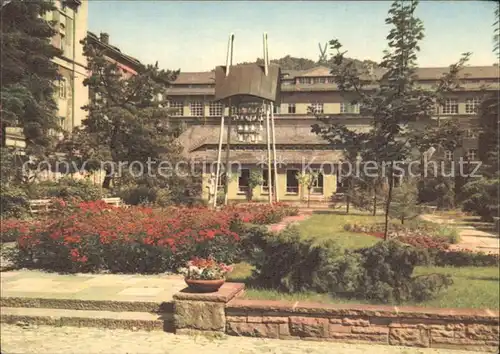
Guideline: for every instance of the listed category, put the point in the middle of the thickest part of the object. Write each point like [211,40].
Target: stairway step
[88,318]
[91,305]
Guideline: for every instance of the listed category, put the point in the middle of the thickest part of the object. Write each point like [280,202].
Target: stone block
[274,319]
[262,330]
[338,328]
[336,320]
[200,315]
[309,327]
[370,330]
[480,331]
[236,318]
[410,337]
[358,337]
[254,319]
[442,333]
[284,330]
[356,322]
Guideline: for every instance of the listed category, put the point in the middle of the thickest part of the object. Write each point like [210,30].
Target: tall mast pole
[229,63]
[228,152]
[268,130]
[273,132]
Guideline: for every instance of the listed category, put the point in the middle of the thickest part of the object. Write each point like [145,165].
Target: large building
[193,94]
[70,18]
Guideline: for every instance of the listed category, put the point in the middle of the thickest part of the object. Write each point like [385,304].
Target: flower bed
[93,236]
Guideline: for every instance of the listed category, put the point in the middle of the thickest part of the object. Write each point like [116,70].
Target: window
[197,108]
[317,108]
[471,155]
[471,105]
[215,109]
[276,109]
[450,106]
[243,181]
[306,80]
[292,183]
[178,107]
[62,43]
[291,108]
[470,133]
[346,107]
[318,184]
[448,155]
[265,183]
[62,88]
[222,181]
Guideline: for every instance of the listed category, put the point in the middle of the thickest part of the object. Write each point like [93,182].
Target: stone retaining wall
[403,326]
[225,311]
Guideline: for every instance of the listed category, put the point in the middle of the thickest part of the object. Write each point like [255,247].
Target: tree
[128,119]
[255,179]
[396,101]
[307,179]
[28,73]
[404,206]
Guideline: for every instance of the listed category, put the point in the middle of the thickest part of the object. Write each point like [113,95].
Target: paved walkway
[304,215]
[111,287]
[470,237]
[70,340]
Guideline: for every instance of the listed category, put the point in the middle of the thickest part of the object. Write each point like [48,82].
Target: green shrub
[66,188]
[14,201]
[388,268]
[450,234]
[287,263]
[463,259]
[138,195]
[481,198]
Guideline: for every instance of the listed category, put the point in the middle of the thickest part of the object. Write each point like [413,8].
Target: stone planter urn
[204,286]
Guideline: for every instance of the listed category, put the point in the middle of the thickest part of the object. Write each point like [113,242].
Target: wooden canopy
[247,81]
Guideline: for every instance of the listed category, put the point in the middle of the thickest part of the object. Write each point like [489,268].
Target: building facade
[192,94]
[70,18]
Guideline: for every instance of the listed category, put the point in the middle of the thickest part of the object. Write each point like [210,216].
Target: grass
[325,226]
[473,287]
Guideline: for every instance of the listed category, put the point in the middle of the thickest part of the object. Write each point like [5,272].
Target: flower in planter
[205,269]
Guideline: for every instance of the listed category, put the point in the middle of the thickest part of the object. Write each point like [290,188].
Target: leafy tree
[396,101]
[255,179]
[307,180]
[128,119]
[28,73]
[405,206]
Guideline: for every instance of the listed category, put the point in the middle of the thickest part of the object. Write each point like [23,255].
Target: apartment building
[193,93]
[70,19]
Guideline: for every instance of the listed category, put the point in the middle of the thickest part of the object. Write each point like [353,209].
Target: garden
[330,257]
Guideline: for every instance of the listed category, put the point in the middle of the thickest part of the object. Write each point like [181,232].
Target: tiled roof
[197,136]
[283,157]
[470,72]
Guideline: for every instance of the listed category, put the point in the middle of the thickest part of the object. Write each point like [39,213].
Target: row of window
[292,183]
[450,106]
[471,155]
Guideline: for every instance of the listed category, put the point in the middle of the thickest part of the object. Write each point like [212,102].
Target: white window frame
[243,190]
[292,107]
[179,105]
[448,155]
[215,109]
[472,105]
[347,107]
[296,170]
[62,88]
[471,155]
[317,108]
[450,106]
[263,188]
[197,108]
[470,133]
[316,187]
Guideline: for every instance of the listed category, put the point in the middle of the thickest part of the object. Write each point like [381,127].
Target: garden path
[303,215]
[84,287]
[54,340]
[470,237]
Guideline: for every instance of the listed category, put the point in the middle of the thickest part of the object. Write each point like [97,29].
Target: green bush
[287,263]
[463,259]
[66,188]
[388,268]
[14,201]
[138,195]
[481,197]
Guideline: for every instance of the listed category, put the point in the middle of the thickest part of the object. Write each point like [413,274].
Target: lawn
[473,287]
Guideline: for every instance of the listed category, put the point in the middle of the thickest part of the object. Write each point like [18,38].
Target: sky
[193,35]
